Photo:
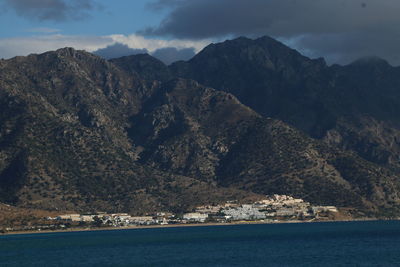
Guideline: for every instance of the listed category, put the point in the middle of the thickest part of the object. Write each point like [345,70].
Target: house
[142,220]
[246,212]
[195,217]
[318,209]
[286,212]
[86,218]
[70,217]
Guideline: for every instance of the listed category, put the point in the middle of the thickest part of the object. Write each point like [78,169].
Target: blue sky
[110,17]
[36,26]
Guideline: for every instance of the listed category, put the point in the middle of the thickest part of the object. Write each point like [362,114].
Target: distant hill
[241,119]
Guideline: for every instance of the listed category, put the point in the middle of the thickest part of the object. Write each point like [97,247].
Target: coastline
[86,229]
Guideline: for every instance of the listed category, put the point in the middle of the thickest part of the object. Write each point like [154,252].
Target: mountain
[203,133]
[241,119]
[148,67]
[267,76]
[65,144]
[354,107]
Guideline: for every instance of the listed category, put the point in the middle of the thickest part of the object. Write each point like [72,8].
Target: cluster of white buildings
[117,219]
[243,212]
[275,207]
[272,207]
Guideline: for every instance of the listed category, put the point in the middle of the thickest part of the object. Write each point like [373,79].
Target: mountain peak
[69,52]
[66,51]
[268,40]
[265,41]
[263,48]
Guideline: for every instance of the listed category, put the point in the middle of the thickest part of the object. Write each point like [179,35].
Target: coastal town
[272,209]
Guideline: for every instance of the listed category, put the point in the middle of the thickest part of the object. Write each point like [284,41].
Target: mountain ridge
[78,132]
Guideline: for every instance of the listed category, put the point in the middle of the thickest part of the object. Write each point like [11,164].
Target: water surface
[308,244]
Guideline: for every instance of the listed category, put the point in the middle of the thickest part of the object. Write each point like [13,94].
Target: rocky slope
[65,144]
[231,145]
[81,133]
[355,107]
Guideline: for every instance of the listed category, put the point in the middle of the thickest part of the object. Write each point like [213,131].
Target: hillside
[354,107]
[81,133]
[65,141]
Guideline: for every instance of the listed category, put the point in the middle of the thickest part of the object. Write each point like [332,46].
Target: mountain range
[241,119]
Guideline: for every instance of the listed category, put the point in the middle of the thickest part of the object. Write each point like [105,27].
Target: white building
[245,212]
[70,217]
[195,217]
[318,209]
[142,220]
[86,218]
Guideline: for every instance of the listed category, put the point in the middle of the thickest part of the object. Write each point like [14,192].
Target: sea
[370,243]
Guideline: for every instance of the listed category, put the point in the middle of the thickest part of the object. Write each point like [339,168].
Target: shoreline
[86,229]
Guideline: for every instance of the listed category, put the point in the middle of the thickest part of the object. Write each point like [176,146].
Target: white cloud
[22,46]
[152,44]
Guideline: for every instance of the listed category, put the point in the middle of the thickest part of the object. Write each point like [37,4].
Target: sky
[341,31]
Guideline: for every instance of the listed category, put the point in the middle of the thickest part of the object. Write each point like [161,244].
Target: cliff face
[131,134]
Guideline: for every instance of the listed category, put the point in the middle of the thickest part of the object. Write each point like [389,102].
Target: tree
[97,221]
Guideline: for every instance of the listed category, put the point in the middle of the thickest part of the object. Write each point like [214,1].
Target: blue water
[316,244]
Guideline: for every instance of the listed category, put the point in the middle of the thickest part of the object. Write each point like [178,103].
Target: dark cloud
[348,47]
[118,50]
[52,10]
[339,28]
[170,55]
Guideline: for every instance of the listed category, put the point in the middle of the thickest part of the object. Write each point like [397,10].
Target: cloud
[338,28]
[152,44]
[107,46]
[51,10]
[167,55]
[348,47]
[118,50]
[170,55]
[22,46]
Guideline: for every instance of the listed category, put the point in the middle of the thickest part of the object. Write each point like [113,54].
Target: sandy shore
[72,230]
